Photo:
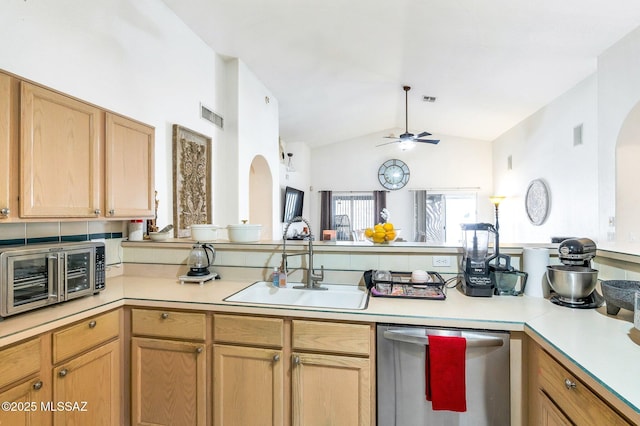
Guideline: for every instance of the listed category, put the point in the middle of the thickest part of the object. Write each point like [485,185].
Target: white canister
[135,230]
[636,311]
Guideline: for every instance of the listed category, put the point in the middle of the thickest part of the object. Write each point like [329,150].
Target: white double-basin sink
[336,296]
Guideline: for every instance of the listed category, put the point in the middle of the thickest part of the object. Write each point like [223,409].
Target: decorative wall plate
[536,202]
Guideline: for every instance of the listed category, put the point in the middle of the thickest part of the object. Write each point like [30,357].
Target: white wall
[138,59]
[541,147]
[618,93]
[353,166]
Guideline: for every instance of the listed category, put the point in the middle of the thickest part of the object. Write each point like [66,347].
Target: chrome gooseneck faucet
[313,279]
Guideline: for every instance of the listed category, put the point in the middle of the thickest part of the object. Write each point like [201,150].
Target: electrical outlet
[441,261]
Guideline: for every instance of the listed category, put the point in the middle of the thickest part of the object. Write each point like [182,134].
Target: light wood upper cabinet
[129,150]
[60,155]
[9,119]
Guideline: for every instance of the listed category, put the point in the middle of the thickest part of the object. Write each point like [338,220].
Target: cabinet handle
[569,384]
[97,212]
[296,360]
[5,211]
[63,372]
[199,350]
[37,385]
[112,212]
[276,358]
[92,324]
[164,315]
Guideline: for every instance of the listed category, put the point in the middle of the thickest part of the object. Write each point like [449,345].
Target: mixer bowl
[572,282]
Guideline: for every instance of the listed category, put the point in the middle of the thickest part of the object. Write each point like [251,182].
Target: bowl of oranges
[382,233]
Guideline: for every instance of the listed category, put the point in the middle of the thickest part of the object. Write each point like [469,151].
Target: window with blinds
[353,211]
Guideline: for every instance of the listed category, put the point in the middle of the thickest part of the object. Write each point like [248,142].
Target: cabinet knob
[296,360]
[569,384]
[92,324]
[97,212]
[112,212]
[5,211]
[276,358]
[164,315]
[199,350]
[63,372]
[37,385]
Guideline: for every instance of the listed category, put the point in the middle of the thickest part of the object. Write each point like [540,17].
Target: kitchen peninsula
[599,349]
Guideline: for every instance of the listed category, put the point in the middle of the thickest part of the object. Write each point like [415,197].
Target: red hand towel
[445,373]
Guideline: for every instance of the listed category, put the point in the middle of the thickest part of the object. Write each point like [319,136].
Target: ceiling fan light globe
[406,145]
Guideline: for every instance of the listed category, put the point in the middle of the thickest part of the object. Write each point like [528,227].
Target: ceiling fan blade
[388,143]
[433,141]
[423,134]
[390,137]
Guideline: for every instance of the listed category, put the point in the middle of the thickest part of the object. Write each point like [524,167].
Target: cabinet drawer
[91,332]
[332,337]
[19,361]
[575,399]
[170,324]
[254,331]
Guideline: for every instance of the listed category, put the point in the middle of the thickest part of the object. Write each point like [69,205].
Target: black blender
[480,267]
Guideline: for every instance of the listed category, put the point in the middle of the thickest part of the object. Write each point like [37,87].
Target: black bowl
[619,294]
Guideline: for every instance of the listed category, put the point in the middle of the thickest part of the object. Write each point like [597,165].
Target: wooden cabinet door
[331,390]
[550,415]
[248,386]
[28,402]
[89,386]
[129,162]
[9,122]
[60,155]
[168,382]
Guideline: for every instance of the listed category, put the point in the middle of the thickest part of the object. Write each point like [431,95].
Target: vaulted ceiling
[337,67]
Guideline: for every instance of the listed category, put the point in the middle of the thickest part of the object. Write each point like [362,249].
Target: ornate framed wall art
[191,180]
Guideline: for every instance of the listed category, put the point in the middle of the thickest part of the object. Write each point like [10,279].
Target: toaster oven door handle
[62,276]
[53,278]
[472,341]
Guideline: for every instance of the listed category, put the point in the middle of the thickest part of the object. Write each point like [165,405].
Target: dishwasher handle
[475,341]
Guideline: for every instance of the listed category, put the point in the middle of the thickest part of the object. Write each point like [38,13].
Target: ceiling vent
[426,98]
[207,114]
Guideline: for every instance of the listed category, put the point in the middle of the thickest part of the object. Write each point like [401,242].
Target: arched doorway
[627,194]
[260,196]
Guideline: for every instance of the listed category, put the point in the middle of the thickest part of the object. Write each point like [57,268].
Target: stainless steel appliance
[573,283]
[38,275]
[401,377]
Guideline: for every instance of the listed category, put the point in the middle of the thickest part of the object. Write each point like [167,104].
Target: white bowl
[204,232]
[244,233]
[159,236]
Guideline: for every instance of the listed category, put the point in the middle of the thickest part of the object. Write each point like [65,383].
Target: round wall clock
[536,202]
[393,174]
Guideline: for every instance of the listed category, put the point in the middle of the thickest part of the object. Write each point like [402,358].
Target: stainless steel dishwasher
[401,378]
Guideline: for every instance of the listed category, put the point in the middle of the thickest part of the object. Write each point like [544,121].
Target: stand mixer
[573,283]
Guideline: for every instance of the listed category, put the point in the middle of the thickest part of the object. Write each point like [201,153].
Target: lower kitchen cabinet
[248,386]
[558,397]
[87,374]
[169,371]
[298,372]
[86,389]
[331,390]
[24,384]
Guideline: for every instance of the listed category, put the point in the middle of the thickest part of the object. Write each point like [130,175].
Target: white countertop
[606,347]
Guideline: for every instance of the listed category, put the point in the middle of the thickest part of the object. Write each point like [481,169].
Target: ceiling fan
[407,139]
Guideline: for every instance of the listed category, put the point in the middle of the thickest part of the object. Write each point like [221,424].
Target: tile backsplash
[110,232]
